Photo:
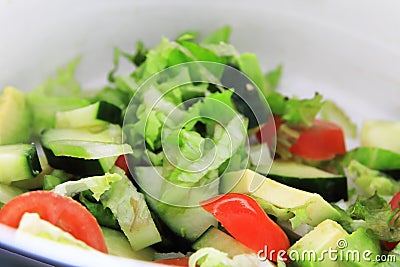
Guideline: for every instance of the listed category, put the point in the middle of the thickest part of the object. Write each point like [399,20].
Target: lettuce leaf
[249,65]
[302,111]
[332,112]
[376,215]
[103,215]
[272,78]
[96,184]
[60,93]
[131,211]
[220,35]
[211,257]
[370,181]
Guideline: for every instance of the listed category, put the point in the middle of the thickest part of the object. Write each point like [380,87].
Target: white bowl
[349,51]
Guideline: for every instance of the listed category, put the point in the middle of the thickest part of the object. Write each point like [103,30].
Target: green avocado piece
[14,117]
[318,248]
[279,195]
[359,250]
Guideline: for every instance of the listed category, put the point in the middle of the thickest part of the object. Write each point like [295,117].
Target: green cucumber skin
[72,165]
[33,161]
[109,112]
[331,189]
[376,158]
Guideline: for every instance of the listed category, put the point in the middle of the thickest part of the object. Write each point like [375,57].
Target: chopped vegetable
[244,218]
[61,211]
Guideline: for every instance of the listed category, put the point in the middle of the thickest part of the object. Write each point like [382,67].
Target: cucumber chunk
[97,114]
[217,239]
[330,186]
[18,162]
[83,152]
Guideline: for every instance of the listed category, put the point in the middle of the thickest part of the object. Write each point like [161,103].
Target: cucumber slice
[81,160]
[88,150]
[8,192]
[217,239]
[118,245]
[375,158]
[330,186]
[97,114]
[111,134]
[78,166]
[18,162]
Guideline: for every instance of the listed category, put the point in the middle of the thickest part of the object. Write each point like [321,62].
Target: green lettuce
[220,35]
[330,111]
[211,257]
[103,215]
[272,78]
[376,215]
[131,212]
[370,181]
[60,93]
[96,184]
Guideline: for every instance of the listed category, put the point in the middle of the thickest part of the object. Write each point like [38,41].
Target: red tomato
[322,141]
[175,262]
[63,212]
[121,163]
[267,132]
[394,203]
[246,221]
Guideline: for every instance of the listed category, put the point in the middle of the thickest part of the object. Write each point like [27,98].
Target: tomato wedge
[175,262]
[322,141]
[245,220]
[267,132]
[63,212]
[394,204]
[121,163]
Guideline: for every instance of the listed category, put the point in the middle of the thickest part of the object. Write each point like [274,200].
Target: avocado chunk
[359,250]
[382,134]
[279,195]
[318,248]
[14,117]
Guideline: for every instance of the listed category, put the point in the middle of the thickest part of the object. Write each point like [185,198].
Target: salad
[196,159]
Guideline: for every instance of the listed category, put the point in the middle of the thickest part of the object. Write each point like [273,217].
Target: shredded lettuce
[302,112]
[97,184]
[63,85]
[296,216]
[60,93]
[376,215]
[249,65]
[330,111]
[219,36]
[31,223]
[370,181]
[103,215]
[131,211]
[272,78]
[211,257]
